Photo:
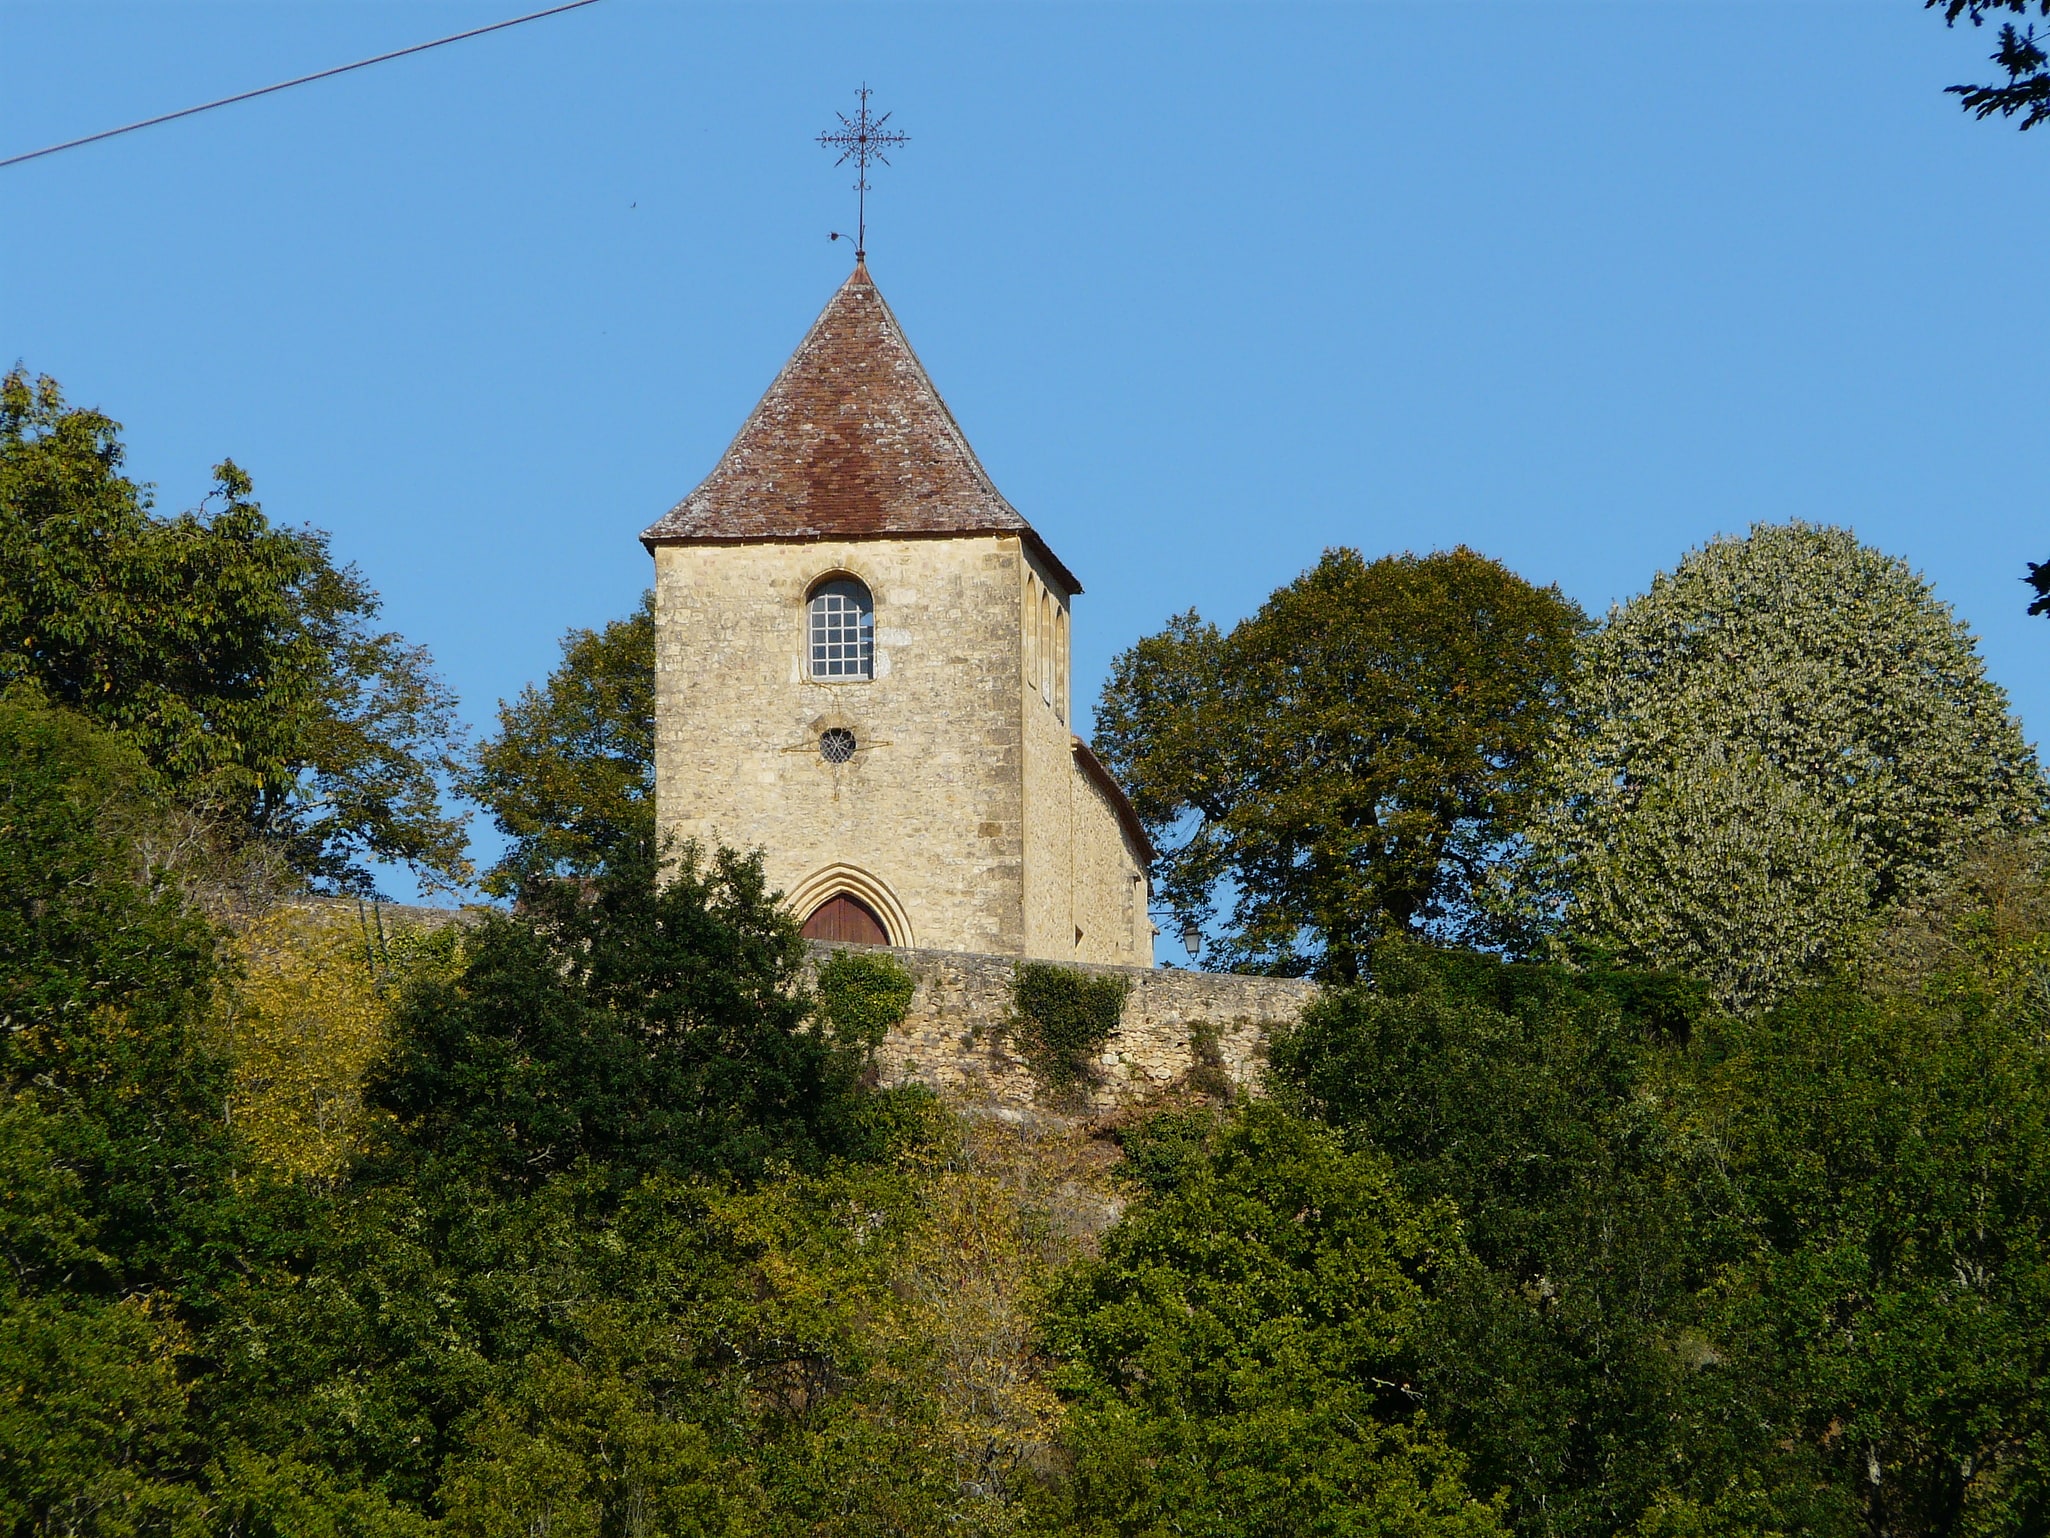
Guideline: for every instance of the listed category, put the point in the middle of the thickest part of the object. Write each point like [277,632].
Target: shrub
[861,996]
[1063,1017]
[308,1016]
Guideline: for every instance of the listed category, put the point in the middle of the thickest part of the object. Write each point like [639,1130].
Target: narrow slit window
[1031,647]
[842,630]
[1060,662]
[1045,645]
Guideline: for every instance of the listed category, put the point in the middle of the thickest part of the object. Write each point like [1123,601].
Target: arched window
[842,625]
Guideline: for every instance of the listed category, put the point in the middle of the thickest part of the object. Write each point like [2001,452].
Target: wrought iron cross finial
[861,139]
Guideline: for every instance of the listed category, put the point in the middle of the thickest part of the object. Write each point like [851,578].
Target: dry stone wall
[955,1037]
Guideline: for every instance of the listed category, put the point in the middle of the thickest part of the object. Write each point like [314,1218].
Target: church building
[861,667]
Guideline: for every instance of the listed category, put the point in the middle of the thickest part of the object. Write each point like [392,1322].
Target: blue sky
[1210,287]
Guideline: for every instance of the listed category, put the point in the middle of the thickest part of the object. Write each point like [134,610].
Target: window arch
[840,629]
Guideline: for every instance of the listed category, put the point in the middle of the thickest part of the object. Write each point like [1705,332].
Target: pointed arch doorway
[843,917]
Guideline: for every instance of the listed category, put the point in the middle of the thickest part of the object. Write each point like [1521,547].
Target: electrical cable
[282,85]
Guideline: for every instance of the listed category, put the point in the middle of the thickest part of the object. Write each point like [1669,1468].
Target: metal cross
[861,139]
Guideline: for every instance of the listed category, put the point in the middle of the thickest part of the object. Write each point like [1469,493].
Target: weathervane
[861,139]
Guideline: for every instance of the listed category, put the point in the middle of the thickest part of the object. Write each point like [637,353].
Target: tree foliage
[1766,684]
[1526,1096]
[235,655]
[654,1023]
[1773,887]
[1772,1273]
[106,982]
[570,775]
[1239,1360]
[118,1222]
[1352,761]
[305,1017]
[2021,55]
[1889,1318]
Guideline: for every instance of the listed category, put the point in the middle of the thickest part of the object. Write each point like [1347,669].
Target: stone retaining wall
[955,1038]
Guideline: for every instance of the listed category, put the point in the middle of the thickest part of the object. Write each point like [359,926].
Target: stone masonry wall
[928,810]
[954,1039]
[962,818]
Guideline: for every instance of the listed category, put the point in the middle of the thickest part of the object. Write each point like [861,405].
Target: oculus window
[842,630]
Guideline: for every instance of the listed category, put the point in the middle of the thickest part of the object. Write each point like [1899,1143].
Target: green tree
[655,1355]
[239,659]
[1239,1361]
[1766,684]
[1888,1329]
[654,1022]
[1354,760]
[1784,882]
[93,1412]
[105,984]
[121,1221]
[1537,1100]
[570,775]
[2021,54]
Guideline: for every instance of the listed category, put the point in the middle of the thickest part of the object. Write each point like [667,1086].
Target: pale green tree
[1783,719]
[1728,872]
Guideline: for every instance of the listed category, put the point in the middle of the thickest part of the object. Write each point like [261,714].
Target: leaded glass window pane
[842,631]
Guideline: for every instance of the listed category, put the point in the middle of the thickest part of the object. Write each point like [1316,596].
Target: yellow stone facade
[941,797]
[966,818]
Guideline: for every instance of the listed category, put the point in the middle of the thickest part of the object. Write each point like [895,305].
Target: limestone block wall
[929,808]
[954,1040]
[1043,735]
[1084,880]
[1107,889]
[963,818]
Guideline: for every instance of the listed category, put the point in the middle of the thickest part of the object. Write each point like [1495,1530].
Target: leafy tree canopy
[235,655]
[1769,885]
[120,1221]
[2021,55]
[1777,708]
[1772,1273]
[1525,1095]
[570,775]
[1889,1319]
[1351,761]
[105,984]
[1239,1359]
[655,1021]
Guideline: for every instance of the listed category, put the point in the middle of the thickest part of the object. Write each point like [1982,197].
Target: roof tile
[851,442]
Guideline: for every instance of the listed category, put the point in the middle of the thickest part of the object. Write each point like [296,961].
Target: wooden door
[845,918]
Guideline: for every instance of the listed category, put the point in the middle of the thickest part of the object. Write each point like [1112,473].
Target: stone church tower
[861,667]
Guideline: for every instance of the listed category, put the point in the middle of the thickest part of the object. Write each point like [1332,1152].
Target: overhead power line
[286,85]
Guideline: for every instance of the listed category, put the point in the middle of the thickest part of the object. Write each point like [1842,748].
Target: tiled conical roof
[851,442]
